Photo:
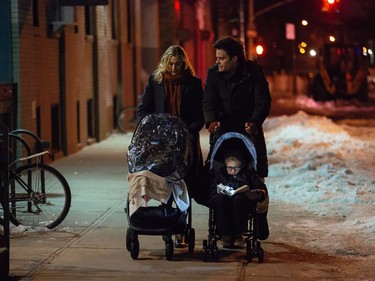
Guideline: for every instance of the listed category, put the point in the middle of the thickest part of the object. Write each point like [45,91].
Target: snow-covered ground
[326,168]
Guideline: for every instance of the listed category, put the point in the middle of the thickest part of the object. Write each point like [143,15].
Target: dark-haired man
[237,99]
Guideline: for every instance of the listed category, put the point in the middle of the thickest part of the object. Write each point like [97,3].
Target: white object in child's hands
[229,191]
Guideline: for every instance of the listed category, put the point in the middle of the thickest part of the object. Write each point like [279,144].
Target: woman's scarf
[172,91]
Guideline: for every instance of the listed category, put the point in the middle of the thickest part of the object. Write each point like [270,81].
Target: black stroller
[159,156]
[227,141]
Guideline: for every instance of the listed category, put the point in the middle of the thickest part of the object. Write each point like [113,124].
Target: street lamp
[259,49]
[331,6]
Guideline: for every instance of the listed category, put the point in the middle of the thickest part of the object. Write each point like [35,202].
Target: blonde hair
[172,51]
[233,159]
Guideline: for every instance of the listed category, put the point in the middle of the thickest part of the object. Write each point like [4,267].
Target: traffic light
[177,5]
[177,9]
[331,6]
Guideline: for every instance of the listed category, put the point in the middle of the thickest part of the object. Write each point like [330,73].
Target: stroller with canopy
[216,161]
[159,157]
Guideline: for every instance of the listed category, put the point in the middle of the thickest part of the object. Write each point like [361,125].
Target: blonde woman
[175,89]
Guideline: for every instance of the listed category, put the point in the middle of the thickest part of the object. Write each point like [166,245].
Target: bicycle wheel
[39,196]
[127,119]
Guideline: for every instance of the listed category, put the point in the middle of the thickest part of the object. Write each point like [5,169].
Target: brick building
[67,66]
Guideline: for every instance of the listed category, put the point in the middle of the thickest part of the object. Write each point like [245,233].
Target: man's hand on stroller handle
[214,125]
[251,128]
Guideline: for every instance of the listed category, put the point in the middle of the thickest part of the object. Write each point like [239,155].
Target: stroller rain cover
[160,144]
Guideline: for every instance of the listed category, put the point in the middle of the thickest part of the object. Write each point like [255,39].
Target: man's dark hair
[232,46]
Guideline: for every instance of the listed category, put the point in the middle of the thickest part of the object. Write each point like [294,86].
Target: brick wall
[61,68]
[168,28]
[38,70]
[107,72]
[77,82]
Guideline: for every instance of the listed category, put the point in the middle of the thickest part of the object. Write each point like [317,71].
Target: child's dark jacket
[244,177]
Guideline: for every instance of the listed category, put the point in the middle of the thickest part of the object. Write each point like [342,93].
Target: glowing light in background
[313,53]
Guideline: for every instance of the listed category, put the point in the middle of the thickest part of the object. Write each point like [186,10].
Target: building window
[130,20]
[78,123]
[88,20]
[35,4]
[38,122]
[55,130]
[115,19]
[90,118]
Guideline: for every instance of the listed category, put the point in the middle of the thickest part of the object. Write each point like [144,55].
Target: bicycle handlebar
[30,157]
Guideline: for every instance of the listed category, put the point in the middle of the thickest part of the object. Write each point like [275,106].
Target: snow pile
[317,164]
[24,228]
[336,106]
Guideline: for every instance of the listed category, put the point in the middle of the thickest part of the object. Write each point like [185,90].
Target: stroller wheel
[249,251]
[260,255]
[127,239]
[191,240]
[215,253]
[169,249]
[205,250]
[134,249]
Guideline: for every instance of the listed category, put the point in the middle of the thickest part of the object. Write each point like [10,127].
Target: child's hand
[224,189]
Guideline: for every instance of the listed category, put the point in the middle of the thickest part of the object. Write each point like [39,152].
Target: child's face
[233,167]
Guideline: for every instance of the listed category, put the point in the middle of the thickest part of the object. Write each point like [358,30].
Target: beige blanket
[145,185]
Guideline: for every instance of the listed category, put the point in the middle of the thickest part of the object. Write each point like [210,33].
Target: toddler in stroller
[236,190]
[159,156]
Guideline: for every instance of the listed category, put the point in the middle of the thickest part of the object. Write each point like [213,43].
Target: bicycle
[39,195]
[126,119]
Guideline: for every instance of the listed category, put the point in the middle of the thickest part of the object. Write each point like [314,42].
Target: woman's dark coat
[236,98]
[153,101]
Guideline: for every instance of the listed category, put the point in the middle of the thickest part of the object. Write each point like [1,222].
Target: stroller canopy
[230,141]
[160,144]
